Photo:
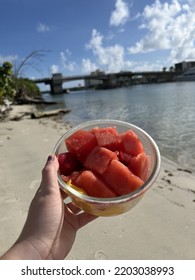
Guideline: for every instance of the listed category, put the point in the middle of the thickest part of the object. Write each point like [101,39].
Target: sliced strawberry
[68,163]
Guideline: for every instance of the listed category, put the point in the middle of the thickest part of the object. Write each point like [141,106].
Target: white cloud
[10,58]
[88,66]
[109,58]
[191,4]
[42,28]
[138,66]
[66,61]
[54,69]
[68,52]
[121,13]
[169,26]
[96,41]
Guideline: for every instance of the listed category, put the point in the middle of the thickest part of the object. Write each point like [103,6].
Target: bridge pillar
[56,83]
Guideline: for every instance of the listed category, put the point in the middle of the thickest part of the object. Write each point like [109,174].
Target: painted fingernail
[50,158]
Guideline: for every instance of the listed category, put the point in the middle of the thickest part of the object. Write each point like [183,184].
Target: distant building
[184,66]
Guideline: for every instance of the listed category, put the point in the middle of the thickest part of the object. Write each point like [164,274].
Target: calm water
[165,111]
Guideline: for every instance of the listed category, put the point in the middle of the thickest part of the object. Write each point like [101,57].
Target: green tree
[24,86]
[171,69]
[27,87]
[7,90]
[12,82]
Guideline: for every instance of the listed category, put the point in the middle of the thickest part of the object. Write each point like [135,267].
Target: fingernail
[50,158]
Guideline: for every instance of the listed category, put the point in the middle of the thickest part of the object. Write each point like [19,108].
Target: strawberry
[68,163]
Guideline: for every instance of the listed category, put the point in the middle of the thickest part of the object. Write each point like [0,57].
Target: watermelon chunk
[121,179]
[99,159]
[81,143]
[131,144]
[139,165]
[124,157]
[93,185]
[107,137]
[72,177]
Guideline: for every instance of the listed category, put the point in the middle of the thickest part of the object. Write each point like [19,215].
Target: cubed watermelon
[124,157]
[111,164]
[93,185]
[121,179]
[80,143]
[107,137]
[139,165]
[130,143]
[99,159]
[72,177]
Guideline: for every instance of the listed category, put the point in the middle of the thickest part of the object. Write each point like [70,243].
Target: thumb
[49,174]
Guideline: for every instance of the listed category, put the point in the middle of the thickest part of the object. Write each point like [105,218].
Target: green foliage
[11,86]
[27,86]
[7,90]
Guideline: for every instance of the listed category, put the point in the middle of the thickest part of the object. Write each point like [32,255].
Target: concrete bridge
[108,80]
[57,80]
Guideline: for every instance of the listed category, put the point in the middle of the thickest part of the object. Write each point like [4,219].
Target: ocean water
[166,111]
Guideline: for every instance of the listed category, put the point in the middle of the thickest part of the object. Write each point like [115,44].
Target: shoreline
[161,226]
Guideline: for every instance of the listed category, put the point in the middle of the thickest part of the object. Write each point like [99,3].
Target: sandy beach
[161,226]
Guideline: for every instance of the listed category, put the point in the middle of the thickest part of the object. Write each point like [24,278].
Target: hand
[51,225]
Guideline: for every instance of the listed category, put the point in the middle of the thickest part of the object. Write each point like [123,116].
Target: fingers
[63,194]
[73,208]
[49,182]
[85,218]
[49,174]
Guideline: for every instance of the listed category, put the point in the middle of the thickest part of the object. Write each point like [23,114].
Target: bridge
[107,80]
[57,80]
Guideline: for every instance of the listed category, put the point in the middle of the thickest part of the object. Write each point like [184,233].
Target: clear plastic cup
[116,205]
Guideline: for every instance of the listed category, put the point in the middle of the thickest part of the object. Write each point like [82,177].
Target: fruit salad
[102,163]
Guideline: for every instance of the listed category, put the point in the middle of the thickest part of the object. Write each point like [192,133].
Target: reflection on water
[165,111]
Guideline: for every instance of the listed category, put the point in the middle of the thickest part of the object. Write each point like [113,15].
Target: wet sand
[161,226]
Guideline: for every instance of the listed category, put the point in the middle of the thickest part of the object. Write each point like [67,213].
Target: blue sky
[80,36]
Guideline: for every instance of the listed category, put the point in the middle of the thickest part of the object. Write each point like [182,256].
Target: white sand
[161,226]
